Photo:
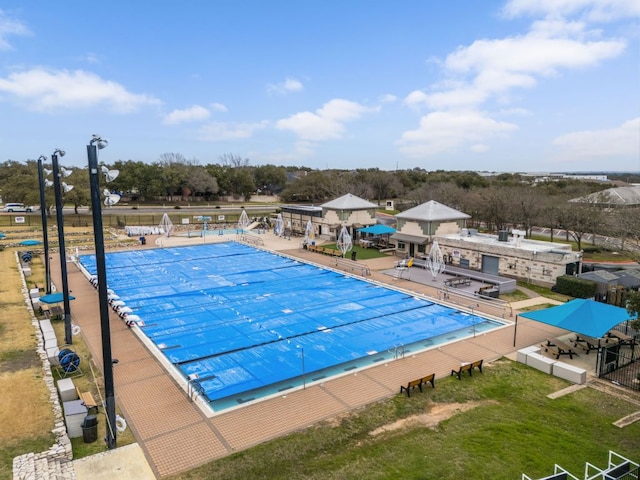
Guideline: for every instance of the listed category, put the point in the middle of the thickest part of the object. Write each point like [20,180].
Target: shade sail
[586,317]
[377,229]
[54,298]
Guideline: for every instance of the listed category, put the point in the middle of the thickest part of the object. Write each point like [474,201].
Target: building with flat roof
[510,255]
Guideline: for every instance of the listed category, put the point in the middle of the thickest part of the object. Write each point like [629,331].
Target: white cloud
[195,113]
[326,123]
[461,97]
[609,144]
[218,107]
[479,148]
[44,90]
[218,131]
[497,66]
[9,27]
[593,10]
[415,98]
[388,98]
[92,58]
[289,85]
[440,132]
[491,69]
[531,54]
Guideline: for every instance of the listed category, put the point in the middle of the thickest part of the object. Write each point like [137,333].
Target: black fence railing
[621,366]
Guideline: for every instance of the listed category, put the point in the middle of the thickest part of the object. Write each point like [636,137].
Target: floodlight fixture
[48,183]
[64,172]
[46,171]
[110,175]
[59,152]
[99,142]
[66,188]
[111,199]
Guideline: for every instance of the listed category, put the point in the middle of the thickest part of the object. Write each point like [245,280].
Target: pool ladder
[397,351]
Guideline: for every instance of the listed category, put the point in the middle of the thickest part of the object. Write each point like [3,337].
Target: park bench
[467,367]
[418,383]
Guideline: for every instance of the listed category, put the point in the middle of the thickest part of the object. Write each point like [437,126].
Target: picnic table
[56,311]
[557,347]
[622,337]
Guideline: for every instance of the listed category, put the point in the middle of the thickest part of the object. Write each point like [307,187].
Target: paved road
[129,210]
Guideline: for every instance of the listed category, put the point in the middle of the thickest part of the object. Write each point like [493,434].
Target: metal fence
[620,366]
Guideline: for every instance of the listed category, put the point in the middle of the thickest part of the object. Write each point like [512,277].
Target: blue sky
[508,86]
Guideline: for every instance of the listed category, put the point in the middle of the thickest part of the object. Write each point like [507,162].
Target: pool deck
[175,436]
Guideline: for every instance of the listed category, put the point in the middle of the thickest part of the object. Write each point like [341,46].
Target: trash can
[90,429]
[353,255]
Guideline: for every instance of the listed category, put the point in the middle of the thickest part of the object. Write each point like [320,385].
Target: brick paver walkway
[176,436]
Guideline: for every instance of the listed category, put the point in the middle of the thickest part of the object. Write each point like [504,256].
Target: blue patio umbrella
[378,229]
[54,298]
[30,242]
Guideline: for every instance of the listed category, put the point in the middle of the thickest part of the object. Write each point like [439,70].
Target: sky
[481,85]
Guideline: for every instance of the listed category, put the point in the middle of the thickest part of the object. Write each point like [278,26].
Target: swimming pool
[244,323]
[220,232]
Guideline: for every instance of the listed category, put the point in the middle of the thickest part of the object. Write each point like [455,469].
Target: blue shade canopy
[377,229]
[30,242]
[586,317]
[54,298]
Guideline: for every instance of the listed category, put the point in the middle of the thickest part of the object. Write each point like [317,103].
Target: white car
[17,207]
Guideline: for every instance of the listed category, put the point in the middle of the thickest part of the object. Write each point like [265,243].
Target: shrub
[575,287]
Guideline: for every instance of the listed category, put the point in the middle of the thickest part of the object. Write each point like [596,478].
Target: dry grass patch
[10,279]
[438,412]
[25,410]
[17,331]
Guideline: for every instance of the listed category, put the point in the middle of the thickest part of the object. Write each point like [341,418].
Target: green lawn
[544,291]
[514,429]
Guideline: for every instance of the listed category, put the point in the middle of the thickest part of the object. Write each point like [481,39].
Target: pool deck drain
[176,436]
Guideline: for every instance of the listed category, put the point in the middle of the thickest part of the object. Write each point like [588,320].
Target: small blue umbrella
[30,242]
[54,298]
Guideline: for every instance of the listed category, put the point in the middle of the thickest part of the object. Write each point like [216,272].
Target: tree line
[494,202]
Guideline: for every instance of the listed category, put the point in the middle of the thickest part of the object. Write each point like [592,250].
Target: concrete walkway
[173,433]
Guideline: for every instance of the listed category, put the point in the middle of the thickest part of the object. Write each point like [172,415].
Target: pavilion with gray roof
[417,226]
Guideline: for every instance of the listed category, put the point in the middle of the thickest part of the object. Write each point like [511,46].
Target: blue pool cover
[237,318]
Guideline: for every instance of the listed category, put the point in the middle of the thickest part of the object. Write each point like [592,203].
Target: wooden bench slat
[418,383]
[87,399]
[467,367]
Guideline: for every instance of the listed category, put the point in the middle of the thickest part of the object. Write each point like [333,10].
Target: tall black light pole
[63,256]
[101,272]
[45,233]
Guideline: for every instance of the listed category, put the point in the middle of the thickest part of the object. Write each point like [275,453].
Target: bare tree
[233,161]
